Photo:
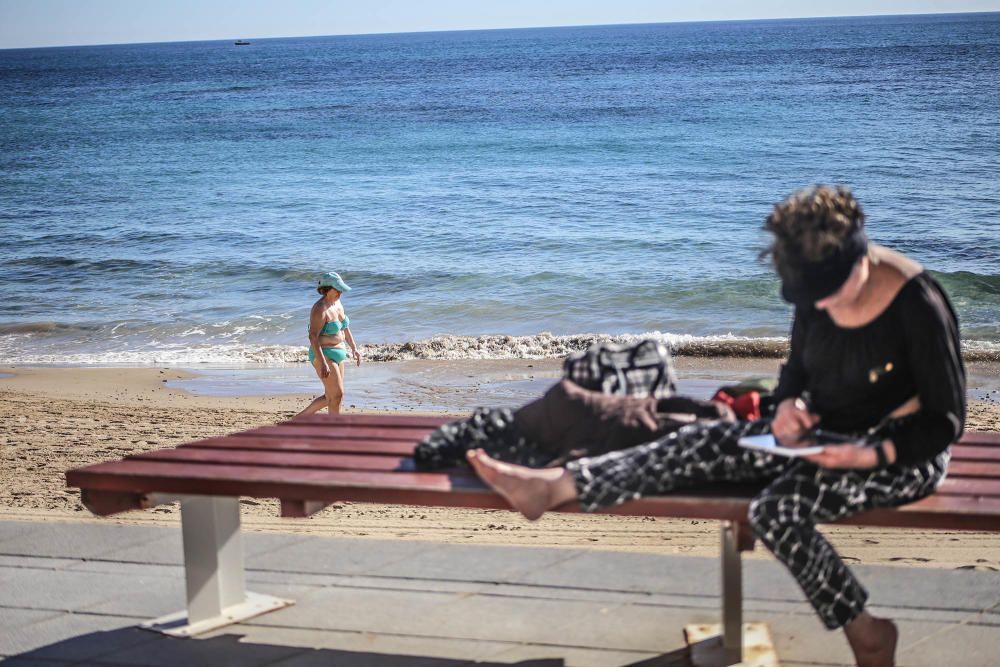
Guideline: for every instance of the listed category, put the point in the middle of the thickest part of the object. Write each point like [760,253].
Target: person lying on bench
[874,353]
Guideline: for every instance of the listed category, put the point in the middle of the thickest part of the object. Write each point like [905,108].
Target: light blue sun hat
[333,280]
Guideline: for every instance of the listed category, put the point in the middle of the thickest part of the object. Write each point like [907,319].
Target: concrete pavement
[72,593]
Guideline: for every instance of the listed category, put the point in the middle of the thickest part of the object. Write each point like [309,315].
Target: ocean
[487,194]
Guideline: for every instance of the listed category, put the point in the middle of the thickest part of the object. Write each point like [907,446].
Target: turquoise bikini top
[332,328]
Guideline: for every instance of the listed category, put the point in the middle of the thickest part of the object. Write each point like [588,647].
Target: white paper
[767,443]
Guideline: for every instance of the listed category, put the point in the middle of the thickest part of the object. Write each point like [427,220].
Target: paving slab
[959,644]
[168,547]
[337,555]
[12,617]
[365,610]
[79,540]
[590,625]
[11,529]
[145,601]
[471,563]
[68,591]
[920,588]
[609,570]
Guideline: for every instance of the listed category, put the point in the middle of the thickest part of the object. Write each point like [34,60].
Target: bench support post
[213,556]
[213,570]
[732,592]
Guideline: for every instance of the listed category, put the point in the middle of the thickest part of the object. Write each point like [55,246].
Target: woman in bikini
[329,330]
[874,353]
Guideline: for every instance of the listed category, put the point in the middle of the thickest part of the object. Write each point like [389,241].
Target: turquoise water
[173,203]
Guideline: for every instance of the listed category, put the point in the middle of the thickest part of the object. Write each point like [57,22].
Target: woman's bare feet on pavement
[531,491]
[873,640]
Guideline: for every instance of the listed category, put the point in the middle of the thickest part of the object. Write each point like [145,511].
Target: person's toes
[482,465]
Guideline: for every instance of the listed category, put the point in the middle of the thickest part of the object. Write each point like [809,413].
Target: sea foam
[444,348]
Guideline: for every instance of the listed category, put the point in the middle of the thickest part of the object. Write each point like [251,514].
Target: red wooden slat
[967,486]
[357,446]
[980,438]
[291,430]
[360,444]
[938,512]
[395,421]
[150,476]
[975,453]
[280,459]
[974,469]
[940,503]
[951,513]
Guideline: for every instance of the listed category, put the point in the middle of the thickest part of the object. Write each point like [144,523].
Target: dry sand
[53,419]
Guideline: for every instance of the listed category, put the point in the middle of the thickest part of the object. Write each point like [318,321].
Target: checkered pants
[783,516]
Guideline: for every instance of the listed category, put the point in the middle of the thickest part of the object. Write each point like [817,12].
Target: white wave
[985,350]
[546,345]
[539,346]
[177,356]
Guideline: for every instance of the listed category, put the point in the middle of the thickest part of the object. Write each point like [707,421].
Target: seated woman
[874,353]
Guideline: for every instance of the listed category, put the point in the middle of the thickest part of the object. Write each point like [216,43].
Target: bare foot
[530,491]
[873,640]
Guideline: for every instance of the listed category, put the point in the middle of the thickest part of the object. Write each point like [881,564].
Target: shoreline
[53,419]
[439,386]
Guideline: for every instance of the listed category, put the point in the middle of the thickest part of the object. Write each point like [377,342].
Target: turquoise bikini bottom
[334,354]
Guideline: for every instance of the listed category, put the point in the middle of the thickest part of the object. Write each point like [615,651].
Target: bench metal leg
[213,568]
[712,645]
[732,592]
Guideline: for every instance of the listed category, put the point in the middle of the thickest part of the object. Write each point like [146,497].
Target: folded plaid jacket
[642,369]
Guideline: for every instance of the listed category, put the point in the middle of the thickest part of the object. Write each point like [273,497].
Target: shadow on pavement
[140,648]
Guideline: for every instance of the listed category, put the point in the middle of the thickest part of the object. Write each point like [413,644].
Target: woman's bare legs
[531,491]
[873,640]
[334,386]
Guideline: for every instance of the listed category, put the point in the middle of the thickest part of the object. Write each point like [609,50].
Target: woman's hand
[853,455]
[357,357]
[792,420]
[325,371]
[849,455]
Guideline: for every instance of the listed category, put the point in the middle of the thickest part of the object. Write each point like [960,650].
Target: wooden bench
[314,461]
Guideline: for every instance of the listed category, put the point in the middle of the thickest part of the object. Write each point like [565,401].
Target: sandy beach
[53,419]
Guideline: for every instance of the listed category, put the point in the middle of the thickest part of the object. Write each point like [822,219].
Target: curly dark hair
[810,225]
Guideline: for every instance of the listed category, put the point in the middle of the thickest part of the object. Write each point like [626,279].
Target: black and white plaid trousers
[783,516]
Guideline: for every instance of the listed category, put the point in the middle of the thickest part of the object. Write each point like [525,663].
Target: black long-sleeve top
[857,376]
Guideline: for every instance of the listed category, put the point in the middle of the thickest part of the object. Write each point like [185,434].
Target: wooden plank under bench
[311,462]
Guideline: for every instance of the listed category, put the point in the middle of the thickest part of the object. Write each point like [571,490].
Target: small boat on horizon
[241,42]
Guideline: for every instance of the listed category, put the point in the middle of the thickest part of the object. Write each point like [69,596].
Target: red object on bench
[311,462]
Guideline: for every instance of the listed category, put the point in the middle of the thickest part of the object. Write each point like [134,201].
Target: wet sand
[53,419]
